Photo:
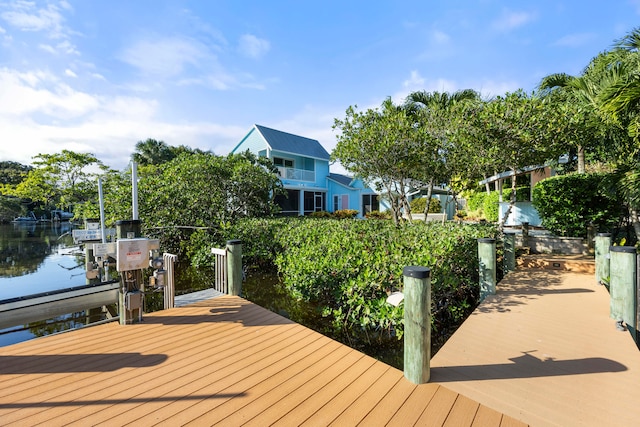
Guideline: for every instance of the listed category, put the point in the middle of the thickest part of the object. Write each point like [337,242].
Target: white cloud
[253,47]
[575,40]
[47,48]
[164,57]
[41,92]
[510,20]
[45,115]
[70,73]
[414,81]
[26,16]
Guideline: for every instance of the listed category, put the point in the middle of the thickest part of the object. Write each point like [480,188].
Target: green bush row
[349,267]
[418,205]
[567,204]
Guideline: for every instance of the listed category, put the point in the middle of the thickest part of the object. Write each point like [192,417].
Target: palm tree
[581,92]
[152,152]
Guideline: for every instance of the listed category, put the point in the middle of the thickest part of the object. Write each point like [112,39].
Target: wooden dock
[544,351]
[223,361]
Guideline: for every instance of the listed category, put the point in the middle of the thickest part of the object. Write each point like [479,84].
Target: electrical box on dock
[133,300]
[133,254]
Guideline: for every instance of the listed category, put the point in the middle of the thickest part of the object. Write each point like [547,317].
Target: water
[35,258]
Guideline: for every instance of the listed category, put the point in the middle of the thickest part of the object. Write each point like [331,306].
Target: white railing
[297,174]
[170,286]
[220,270]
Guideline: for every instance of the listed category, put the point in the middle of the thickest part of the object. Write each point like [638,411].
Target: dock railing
[228,268]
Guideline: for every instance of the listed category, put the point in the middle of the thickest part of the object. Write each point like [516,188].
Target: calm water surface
[35,258]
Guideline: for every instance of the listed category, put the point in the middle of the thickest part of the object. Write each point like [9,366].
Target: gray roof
[294,144]
[341,179]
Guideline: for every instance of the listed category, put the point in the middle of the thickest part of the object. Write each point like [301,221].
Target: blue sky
[98,76]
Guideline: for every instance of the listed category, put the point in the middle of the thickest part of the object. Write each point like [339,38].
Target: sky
[98,76]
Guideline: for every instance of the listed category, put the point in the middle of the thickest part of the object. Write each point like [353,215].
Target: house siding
[254,142]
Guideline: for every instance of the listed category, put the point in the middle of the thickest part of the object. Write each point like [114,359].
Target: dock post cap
[625,249]
[416,272]
[486,240]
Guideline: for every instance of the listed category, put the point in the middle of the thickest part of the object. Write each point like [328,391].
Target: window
[370,203]
[279,161]
[314,201]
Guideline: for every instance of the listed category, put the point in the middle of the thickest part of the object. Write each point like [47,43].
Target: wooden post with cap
[234,267]
[417,323]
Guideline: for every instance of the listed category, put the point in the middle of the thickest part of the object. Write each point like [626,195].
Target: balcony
[297,174]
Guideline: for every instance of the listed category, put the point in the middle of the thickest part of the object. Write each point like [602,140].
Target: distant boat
[60,215]
[31,217]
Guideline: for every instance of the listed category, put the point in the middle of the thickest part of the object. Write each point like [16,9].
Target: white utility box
[133,254]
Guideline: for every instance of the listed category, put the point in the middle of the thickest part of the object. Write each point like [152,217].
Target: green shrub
[418,205]
[568,203]
[378,215]
[348,268]
[476,200]
[345,213]
[490,206]
[320,214]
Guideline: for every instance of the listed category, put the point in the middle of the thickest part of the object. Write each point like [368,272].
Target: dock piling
[234,267]
[417,324]
[602,244]
[487,261]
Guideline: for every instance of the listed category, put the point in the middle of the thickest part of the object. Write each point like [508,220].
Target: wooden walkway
[544,351]
[225,362]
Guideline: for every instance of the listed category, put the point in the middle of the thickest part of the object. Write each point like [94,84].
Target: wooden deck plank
[382,413]
[414,406]
[75,388]
[324,395]
[70,364]
[438,409]
[367,401]
[541,350]
[224,360]
[463,412]
[238,390]
[125,337]
[275,397]
[487,417]
[215,366]
[152,386]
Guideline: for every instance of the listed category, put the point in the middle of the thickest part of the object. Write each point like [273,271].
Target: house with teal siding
[303,167]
